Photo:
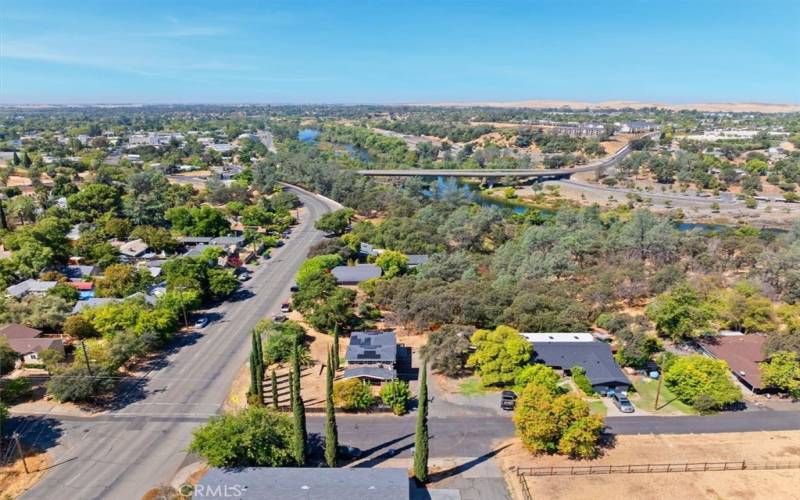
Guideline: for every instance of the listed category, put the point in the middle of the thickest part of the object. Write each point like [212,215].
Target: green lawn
[667,402]
[598,408]
[472,387]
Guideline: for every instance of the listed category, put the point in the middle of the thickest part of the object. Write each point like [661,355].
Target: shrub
[699,377]
[75,384]
[281,338]
[396,395]
[353,395]
[581,380]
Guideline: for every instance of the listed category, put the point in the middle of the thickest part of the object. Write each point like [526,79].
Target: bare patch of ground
[14,481]
[663,449]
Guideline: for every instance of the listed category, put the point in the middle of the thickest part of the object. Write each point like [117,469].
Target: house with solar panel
[371,356]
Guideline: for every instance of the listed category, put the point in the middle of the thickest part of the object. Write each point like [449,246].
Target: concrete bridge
[555,173]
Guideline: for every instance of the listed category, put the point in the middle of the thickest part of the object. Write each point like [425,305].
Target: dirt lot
[753,446]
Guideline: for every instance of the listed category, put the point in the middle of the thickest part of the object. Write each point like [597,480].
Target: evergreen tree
[26,160]
[253,377]
[274,379]
[335,347]
[15,159]
[299,411]
[421,435]
[331,432]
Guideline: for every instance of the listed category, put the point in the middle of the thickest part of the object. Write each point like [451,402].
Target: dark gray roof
[373,372]
[595,357]
[416,260]
[224,241]
[78,271]
[372,347]
[30,286]
[317,483]
[92,302]
[196,251]
[356,274]
[195,239]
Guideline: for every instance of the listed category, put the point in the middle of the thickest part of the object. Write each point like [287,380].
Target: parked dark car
[622,402]
[286,307]
[294,288]
[508,400]
[279,318]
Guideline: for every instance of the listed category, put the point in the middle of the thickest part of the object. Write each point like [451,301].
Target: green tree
[331,432]
[8,357]
[298,410]
[255,437]
[540,375]
[221,283]
[499,355]
[556,424]
[782,372]
[392,263]
[335,222]
[274,382]
[690,376]
[78,327]
[77,385]
[680,313]
[421,432]
[335,356]
[447,349]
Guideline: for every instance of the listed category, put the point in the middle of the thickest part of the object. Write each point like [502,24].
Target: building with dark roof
[353,275]
[742,352]
[371,356]
[30,286]
[28,342]
[296,483]
[563,351]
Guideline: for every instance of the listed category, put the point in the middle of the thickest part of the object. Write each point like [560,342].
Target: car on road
[279,318]
[294,288]
[508,400]
[622,402]
[286,234]
[244,276]
[201,322]
[286,307]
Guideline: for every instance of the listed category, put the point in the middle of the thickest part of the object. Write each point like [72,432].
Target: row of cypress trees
[300,437]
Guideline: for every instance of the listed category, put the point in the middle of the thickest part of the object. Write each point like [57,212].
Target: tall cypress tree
[421,434]
[15,159]
[253,378]
[331,432]
[299,411]
[274,380]
[335,347]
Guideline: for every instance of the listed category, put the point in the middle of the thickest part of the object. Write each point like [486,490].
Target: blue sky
[404,51]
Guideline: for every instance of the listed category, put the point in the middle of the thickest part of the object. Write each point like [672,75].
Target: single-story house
[371,356]
[299,483]
[28,342]
[638,127]
[30,286]
[77,272]
[415,260]
[92,302]
[228,241]
[191,241]
[134,248]
[742,352]
[562,351]
[353,275]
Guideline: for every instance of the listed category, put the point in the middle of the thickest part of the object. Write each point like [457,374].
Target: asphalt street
[141,443]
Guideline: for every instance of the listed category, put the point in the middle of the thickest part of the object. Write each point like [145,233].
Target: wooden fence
[583,470]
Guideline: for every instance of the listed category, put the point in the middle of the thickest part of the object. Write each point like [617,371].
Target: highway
[141,443]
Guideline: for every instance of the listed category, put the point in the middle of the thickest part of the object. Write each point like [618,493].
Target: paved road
[140,445]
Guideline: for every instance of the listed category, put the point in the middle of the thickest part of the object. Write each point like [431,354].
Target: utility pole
[183,305]
[86,358]
[19,452]
[658,390]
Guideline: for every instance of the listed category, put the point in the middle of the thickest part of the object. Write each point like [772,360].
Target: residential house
[353,275]
[133,249]
[371,356]
[299,483]
[193,241]
[85,289]
[92,302]
[743,353]
[78,272]
[563,351]
[28,342]
[30,286]
[637,127]
[366,250]
[579,129]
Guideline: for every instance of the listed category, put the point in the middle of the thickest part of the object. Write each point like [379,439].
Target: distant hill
[741,107]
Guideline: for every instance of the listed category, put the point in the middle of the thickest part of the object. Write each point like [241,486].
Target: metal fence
[583,470]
